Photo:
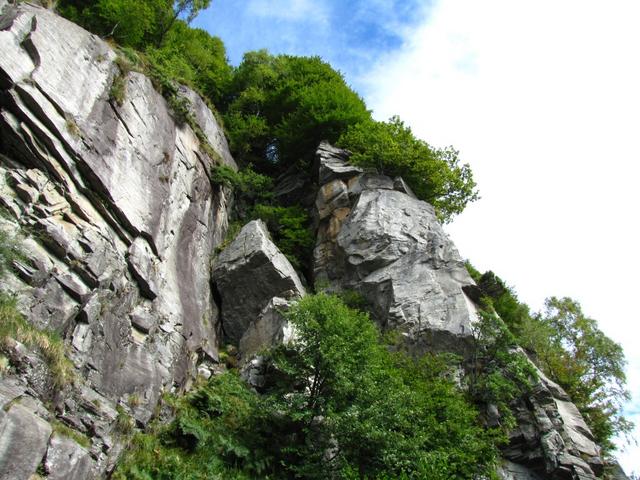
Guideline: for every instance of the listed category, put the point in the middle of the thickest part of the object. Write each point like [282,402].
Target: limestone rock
[248,274]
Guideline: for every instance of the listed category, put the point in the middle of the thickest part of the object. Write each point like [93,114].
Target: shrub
[291,231]
[280,107]
[337,405]
[434,175]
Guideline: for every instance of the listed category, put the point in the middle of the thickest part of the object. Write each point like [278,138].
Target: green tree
[587,364]
[132,23]
[193,57]
[281,107]
[435,175]
[354,410]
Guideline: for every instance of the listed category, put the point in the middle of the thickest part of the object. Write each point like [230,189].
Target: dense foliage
[498,372]
[159,30]
[571,349]
[434,175]
[339,405]
[281,107]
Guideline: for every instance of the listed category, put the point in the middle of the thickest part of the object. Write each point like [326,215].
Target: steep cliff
[116,213]
[376,238]
[111,199]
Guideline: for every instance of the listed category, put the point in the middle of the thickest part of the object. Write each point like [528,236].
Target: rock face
[247,275]
[389,247]
[112,203]
[376,238]
[118,217]
[551,438]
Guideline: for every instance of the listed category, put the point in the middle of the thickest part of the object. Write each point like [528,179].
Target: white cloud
[542,99]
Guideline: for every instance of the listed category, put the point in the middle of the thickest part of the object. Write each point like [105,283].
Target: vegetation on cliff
[341,401]
[276,108]
[338,404]
[568,347]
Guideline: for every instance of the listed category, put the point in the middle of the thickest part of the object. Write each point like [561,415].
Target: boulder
[271,328]
[376,238]
[247,275]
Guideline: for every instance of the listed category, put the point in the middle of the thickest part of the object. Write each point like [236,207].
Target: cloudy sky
[541,98]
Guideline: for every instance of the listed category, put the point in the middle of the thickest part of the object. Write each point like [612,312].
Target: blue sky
[351,35]
[541,98]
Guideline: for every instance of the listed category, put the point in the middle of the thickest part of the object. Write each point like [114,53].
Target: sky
[543,101]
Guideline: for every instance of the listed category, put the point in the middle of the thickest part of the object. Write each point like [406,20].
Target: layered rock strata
[112,203]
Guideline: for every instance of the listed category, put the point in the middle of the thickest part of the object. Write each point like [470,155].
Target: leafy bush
[291,231]
[338,405]
[434,175]
[587,364]
[569,348]
[247,183]
[354,410]
[280,108]
[498,373]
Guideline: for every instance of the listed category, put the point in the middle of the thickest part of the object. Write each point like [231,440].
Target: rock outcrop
[376,238]
[248,274]
[113,205]
[111,199]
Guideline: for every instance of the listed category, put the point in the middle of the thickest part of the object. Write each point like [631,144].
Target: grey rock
[66,460]
[142,320]
[400,185]
[142,262]
[513,471]
[390,248]
[369,181]
[271,328]
[332,164]
[248,274]
[551,435]
[209,125]
[125,215]
[23,442]
[254,372]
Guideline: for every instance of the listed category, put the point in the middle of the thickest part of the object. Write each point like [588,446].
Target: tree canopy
[570,348]
[434,175]
[281,107]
